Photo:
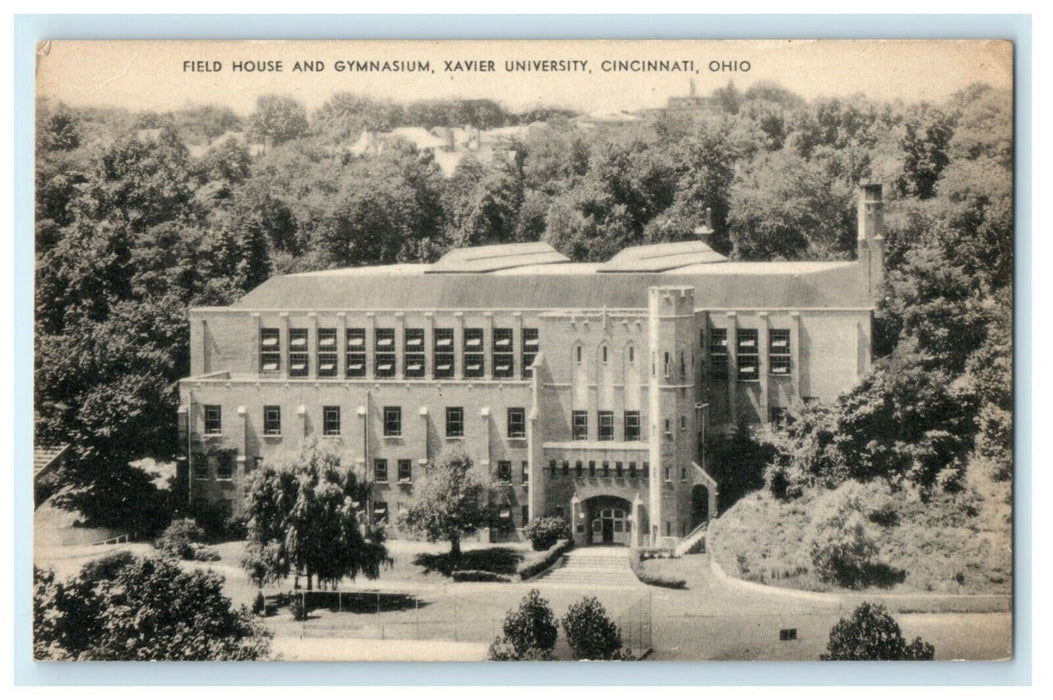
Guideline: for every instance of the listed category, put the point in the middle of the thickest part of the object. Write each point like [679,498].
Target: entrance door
[608,531]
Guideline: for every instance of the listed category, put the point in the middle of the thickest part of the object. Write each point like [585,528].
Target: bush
[591,634]
[871,634]
[298,607]
[129,608]
[636,560]
[179,539]
[531,569]
[259,604]
[479,575]
[843,544]
[530,631]
[543,533]
[202,552]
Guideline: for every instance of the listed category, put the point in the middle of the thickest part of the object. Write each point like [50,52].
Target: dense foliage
[128,608]
[450,501]
[139,216]
[592,635]
[183,539]
[305,516]
[546,531]
[529,631]
[871,634]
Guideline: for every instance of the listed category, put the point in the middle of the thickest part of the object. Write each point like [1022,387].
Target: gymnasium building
[584,389]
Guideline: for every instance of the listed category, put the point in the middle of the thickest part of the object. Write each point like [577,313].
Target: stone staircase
[592,567]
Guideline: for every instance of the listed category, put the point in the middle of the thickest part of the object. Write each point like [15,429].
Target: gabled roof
[489,258]
[661,257]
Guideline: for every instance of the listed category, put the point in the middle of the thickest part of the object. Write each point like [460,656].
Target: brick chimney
[871,239]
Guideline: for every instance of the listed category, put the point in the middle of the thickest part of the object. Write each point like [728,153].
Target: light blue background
[31,28]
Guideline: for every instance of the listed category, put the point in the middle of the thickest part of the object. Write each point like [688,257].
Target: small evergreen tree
[530,631]
[591,634]
[871,634]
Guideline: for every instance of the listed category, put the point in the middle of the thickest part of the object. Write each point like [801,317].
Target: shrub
[105,612]
[871,634]
[531,569]
[202,552]
[843,544]
[298,607]
[479,575]
[179,539]
[529,632]
[543,533]
[259,603]
[591,634]
[636,560]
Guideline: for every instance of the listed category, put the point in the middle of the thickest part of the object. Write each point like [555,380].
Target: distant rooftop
[662,257]
[490,258]
[536,276]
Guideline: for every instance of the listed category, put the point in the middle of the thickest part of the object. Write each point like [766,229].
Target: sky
[155,75]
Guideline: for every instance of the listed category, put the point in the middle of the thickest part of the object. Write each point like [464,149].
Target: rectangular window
[552,466]
[526,471]
[646,469]
[405,471]
[474,357]
[779,351]
[200,466]
[257,463]
[592,468]
[272,420]
[330,420]
[380,471]
[504,353]
[566,467]
[718,352]
[413,360]
[524,515]
[443,354]
[517,422]
[356,352]
[225,466]
[454,422]
[270,349]
[606,468]
[632,470]
[380,512]
[632,425]
[298,353]
[384,345]
[580,425]
[606,425]
[618,469]
[392,421]
[213,420]
[504,471]
[530,348]
[326,352]
[668,474]
[579,469]
[748,357]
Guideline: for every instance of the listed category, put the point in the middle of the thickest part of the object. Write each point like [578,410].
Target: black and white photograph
[627,350]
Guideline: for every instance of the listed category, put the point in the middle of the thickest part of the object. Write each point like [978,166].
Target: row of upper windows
[503,474]
[515,423]
[503,513]
[601,469]
[579,421]
[747,352]
[386,360]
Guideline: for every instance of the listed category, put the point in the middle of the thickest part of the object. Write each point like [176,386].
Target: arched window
[578,353]
[603,353]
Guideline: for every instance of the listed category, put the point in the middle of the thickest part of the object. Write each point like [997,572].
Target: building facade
[585,390]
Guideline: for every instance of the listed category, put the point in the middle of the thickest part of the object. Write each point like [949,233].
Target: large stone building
[585,389]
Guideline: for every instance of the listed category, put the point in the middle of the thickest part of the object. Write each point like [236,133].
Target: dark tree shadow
[498,560]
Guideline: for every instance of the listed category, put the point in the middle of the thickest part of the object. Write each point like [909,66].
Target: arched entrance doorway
[699,505]
[608,520]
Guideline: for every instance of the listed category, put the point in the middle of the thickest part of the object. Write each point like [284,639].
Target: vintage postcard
[524,350]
